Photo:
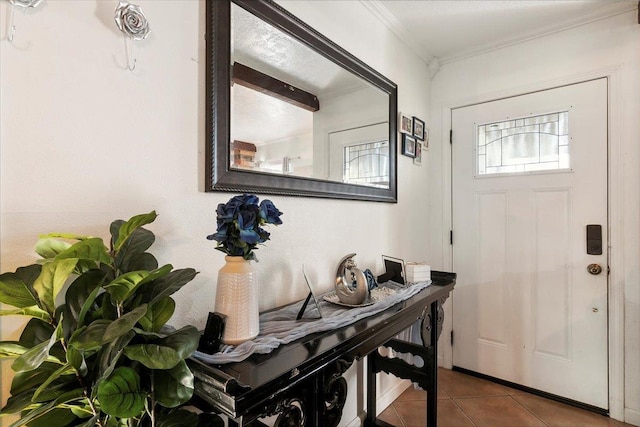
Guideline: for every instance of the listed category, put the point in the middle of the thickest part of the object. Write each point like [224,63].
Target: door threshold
[540,393]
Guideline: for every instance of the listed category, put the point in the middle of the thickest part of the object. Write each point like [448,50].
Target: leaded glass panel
[528,144]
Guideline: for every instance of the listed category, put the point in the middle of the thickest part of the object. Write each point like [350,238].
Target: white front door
[529,175]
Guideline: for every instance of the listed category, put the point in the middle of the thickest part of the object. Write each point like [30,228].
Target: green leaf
[68,236]
[132,256]
[23,381]
[111,353]
[35,332]
[179,418]
[120,395]
[139,261]
[90,337]
[63,370]
[10,349]
[157,274]
[57,417]
[15,292]
[130,226]
[75,358]
[158,314]
[49,247]
[86,306]
[173,387]
[121,287]
[35,356]
[167,352]
[55,390]
[17,402]
[79,292]
[29,274]
[91,249]
[124,324]
[185,340]
[153,356]
[51,280]
[33,311]
[45,409]
[167,285]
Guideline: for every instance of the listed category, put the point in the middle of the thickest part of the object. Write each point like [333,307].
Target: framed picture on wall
[418,128]
[408,145]
[417,160]
[406,123]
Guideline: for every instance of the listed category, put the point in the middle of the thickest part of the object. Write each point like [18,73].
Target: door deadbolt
[594,269]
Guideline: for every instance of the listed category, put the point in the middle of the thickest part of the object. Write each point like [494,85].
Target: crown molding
[392,23]
[610,10]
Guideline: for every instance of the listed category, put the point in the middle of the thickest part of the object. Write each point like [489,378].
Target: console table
[302,382]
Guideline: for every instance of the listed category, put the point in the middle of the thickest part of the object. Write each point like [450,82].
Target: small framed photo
[393,269]
[418,128]
[408,145]
[406,124]
[417,160]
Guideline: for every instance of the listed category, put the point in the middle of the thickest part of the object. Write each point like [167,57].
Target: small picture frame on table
[418,129]
[393,270]
[405,123]
[417,160]
[408,145]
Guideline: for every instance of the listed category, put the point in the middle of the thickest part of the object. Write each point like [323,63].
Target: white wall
[611,48]
[85,141]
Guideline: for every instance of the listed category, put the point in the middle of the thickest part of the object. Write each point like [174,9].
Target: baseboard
[391,395]
[383,401]
[632,416]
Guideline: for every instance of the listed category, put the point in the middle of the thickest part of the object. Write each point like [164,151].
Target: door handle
[594,269]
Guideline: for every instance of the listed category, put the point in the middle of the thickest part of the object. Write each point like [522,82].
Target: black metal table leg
[432,379]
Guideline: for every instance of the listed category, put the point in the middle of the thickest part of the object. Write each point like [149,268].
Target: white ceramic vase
[237,298]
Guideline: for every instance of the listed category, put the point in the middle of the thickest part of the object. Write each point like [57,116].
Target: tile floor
[464,400]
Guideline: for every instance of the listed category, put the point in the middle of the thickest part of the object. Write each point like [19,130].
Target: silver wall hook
[128,47]
[12,27]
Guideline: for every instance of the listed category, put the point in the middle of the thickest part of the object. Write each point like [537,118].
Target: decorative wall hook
[24,4]
[131,20]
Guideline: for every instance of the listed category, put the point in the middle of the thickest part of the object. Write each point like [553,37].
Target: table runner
[280,327]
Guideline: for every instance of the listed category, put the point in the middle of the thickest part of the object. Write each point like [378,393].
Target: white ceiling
[455,29]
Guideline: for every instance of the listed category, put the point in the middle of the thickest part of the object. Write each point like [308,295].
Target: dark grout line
[465,414]
[398,415]
[529,411]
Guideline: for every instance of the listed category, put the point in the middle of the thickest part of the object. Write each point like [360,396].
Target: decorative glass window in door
[367,163]
[530,144]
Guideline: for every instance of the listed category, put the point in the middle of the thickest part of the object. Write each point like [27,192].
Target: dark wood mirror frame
[219,175]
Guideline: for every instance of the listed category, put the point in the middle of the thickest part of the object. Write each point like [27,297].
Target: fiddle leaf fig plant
[96,351]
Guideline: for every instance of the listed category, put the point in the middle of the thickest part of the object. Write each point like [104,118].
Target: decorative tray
[374,296]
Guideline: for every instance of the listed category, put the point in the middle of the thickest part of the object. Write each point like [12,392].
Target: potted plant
[239,230]
[96,351]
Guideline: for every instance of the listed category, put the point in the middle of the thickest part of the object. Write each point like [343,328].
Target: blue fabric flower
[270,213]
[239,224]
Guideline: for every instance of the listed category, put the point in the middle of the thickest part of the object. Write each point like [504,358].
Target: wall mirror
[290,112]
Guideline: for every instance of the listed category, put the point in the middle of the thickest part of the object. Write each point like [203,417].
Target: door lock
[594,269]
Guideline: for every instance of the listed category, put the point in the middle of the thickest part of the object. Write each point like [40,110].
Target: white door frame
[616,211]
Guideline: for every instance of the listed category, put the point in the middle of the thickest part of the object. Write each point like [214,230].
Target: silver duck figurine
[351,283]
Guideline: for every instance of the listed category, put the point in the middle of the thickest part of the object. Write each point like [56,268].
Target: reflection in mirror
[273,130]
[305,117]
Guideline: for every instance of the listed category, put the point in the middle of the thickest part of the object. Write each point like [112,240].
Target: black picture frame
[408,145]
[418,159]
[418,128]
[393,270]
